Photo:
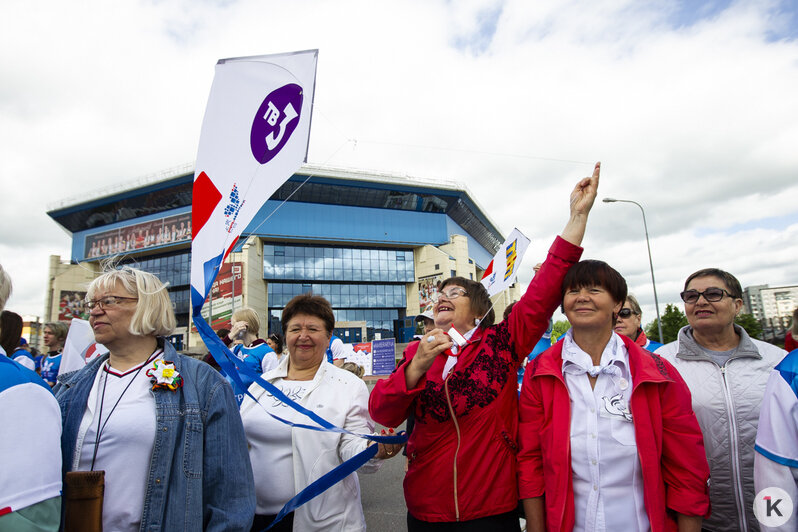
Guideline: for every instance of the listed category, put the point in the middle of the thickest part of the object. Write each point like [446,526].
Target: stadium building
[375,245]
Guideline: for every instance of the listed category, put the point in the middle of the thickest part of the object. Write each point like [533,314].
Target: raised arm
[582,198]
[530,316]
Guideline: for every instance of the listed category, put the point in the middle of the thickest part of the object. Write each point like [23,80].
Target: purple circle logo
[275,121]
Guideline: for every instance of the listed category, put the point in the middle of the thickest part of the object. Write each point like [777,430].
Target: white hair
[154,314]
[5,287]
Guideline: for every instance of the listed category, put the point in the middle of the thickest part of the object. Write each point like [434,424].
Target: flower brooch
[164,375]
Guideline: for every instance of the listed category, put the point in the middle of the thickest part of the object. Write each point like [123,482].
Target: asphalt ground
[382,495]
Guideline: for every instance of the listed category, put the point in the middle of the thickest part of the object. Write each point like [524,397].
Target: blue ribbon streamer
[227,363]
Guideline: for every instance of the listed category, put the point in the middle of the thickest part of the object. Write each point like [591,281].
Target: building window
[320,263]
[437,266]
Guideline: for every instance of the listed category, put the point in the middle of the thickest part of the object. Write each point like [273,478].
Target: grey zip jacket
[726,402]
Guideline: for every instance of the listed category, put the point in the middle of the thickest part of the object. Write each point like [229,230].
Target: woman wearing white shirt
[286,460]
[608,440]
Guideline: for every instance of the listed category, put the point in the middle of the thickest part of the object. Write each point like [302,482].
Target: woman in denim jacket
[164,427]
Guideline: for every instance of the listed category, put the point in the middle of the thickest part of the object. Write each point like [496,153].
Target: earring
[476,322]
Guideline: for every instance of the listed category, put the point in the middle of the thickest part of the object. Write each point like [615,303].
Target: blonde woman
[248,348]
[163,427]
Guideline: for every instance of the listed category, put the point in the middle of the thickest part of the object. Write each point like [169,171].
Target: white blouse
[607,479]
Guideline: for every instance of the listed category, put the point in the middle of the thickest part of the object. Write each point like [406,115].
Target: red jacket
[669,441]
[463,467]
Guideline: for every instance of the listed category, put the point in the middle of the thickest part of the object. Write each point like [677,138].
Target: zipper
[457,450]
[735,451]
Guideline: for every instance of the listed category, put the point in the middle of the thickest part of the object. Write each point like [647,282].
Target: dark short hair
[10,330]
[278,342]
[478,296]
[508,309]
[312,306]
[587,273]
[731,282]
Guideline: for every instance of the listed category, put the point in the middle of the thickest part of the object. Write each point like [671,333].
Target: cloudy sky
[689,105]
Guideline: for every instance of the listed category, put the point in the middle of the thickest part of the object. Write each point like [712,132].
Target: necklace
[100,429]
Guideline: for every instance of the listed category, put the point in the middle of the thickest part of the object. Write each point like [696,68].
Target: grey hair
[5,287]
[635,306]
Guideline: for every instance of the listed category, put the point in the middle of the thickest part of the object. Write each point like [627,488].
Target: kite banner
[503,269]
[254,137]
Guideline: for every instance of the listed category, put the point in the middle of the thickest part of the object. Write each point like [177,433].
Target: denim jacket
[200,476]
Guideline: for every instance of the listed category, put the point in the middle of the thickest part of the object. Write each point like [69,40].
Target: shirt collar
[614,354]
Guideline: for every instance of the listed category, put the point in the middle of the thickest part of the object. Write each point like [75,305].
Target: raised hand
[582,198]
[584,193]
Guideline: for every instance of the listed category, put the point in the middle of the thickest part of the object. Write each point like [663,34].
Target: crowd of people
[610,430]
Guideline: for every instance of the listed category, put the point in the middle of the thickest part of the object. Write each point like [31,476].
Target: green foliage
[749,323]
[559,328]
[673,319]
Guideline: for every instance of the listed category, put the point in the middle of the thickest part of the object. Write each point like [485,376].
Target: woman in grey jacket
[727,372]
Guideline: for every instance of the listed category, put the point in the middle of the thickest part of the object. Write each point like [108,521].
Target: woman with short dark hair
[462,452]
[285,460]
[607,437]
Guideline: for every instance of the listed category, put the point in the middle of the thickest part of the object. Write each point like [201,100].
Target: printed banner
[144,235]
[254,137]
[427,290]
[70,306]
[503,269]
[226,292]
[383,354]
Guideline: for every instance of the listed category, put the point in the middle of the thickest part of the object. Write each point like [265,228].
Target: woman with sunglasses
[628,324]
[727,372]
[459,383]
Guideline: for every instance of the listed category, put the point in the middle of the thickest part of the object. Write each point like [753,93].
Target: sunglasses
[625,313]
[712,295]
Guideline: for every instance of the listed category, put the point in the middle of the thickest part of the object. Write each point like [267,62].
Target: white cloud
[694,118]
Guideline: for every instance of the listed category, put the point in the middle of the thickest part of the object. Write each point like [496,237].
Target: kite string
[266,219]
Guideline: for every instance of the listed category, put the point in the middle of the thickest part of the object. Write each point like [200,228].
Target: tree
[749,323]
[559,328]
[672,320]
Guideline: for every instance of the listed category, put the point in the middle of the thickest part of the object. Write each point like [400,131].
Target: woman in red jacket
[462,452]
[608,438]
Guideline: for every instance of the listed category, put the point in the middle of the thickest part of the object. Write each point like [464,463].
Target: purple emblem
[275,121]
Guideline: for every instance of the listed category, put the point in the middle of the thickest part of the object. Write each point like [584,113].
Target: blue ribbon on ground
[227,363]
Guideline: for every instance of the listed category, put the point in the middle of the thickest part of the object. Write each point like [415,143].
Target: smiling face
[111,324]
[711,318]
[590,308]
[628,326]
[307,340]
[454,312]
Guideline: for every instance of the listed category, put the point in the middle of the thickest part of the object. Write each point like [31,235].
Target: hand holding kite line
[582,198]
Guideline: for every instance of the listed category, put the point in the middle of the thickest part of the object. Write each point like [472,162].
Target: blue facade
[348,238]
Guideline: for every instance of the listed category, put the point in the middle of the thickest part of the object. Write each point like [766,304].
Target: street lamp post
[650,262]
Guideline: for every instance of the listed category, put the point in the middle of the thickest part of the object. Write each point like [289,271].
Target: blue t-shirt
[50,366]
[252,357]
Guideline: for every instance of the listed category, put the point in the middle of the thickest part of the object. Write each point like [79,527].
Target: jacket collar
[644,366]
[91,369]
[688,348]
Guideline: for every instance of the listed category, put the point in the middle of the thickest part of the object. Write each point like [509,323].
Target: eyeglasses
[625,313]
[710,294]
[450,294]
[107,302]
